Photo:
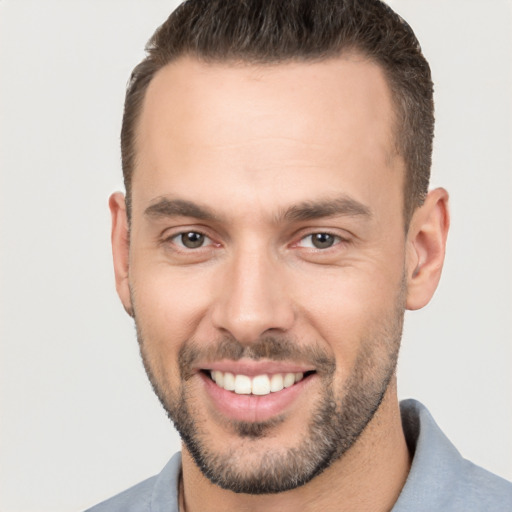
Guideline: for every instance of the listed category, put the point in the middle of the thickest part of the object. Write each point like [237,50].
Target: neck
[368,477]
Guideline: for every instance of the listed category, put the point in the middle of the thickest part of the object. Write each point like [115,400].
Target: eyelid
[176,239]
[340,238]
[170,236]
[337,240]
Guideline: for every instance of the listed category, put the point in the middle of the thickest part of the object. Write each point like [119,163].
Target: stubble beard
[337,421]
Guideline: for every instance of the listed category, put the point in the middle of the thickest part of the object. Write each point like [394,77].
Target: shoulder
[482,489]
[156,494]
[440,478]
[134,499]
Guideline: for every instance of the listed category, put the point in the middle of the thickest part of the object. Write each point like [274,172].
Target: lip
[253,408]
[254,368]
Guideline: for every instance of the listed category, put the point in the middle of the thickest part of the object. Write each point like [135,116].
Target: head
[273,153]
[265,33]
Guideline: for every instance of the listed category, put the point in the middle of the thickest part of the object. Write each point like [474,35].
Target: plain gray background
[78,419]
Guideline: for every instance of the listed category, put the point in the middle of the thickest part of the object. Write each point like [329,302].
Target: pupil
[192,240]
[322,240]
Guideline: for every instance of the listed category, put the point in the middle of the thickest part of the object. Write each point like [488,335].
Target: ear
[121,248]
[426,243]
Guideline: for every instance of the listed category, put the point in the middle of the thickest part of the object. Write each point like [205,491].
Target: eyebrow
[165,207]
[342,206]
[307,210]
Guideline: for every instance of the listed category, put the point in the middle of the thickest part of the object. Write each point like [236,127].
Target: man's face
[267,246]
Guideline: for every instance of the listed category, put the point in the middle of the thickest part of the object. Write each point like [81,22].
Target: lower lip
[253,408]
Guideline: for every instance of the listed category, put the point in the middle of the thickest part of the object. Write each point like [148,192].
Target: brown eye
[191,240]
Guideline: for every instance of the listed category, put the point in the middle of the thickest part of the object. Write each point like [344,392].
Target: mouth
[259,385]
[256,392]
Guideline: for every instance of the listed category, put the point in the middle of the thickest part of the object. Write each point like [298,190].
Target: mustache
[273,348]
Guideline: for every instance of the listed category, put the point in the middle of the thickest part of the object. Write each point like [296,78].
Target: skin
[248,143]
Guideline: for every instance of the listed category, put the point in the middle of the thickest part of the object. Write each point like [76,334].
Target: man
[276,225]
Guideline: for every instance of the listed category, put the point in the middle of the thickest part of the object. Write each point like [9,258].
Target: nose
[253,298]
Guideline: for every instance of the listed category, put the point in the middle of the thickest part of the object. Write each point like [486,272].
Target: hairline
[235,60]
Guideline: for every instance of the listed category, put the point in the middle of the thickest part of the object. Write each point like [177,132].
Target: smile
[258,385]
[251,391]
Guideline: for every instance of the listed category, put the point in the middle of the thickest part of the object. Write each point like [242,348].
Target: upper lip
[252,368]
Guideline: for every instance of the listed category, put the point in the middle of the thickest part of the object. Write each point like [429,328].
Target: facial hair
[338,419]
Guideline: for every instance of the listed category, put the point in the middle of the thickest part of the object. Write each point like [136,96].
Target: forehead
[241,124]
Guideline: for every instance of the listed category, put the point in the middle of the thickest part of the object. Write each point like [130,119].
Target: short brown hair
[273,31]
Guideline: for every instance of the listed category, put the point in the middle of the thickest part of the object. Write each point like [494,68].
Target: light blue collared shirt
[440,480]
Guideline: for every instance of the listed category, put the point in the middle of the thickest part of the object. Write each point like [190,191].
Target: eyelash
[177,236]
[177,240]
[336,240]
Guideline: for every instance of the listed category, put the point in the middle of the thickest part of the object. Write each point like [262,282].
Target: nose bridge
[253,299]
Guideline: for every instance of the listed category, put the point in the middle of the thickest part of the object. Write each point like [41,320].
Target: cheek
[350,307]
[168,306]
[169,295]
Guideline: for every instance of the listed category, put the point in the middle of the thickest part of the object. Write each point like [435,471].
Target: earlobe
[426,243]
[120,238]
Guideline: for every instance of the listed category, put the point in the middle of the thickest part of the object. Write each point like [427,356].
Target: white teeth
[229,381]
[218,377]
[261,385]
[276,382]
[258,385]
[242,385]
[289,380]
